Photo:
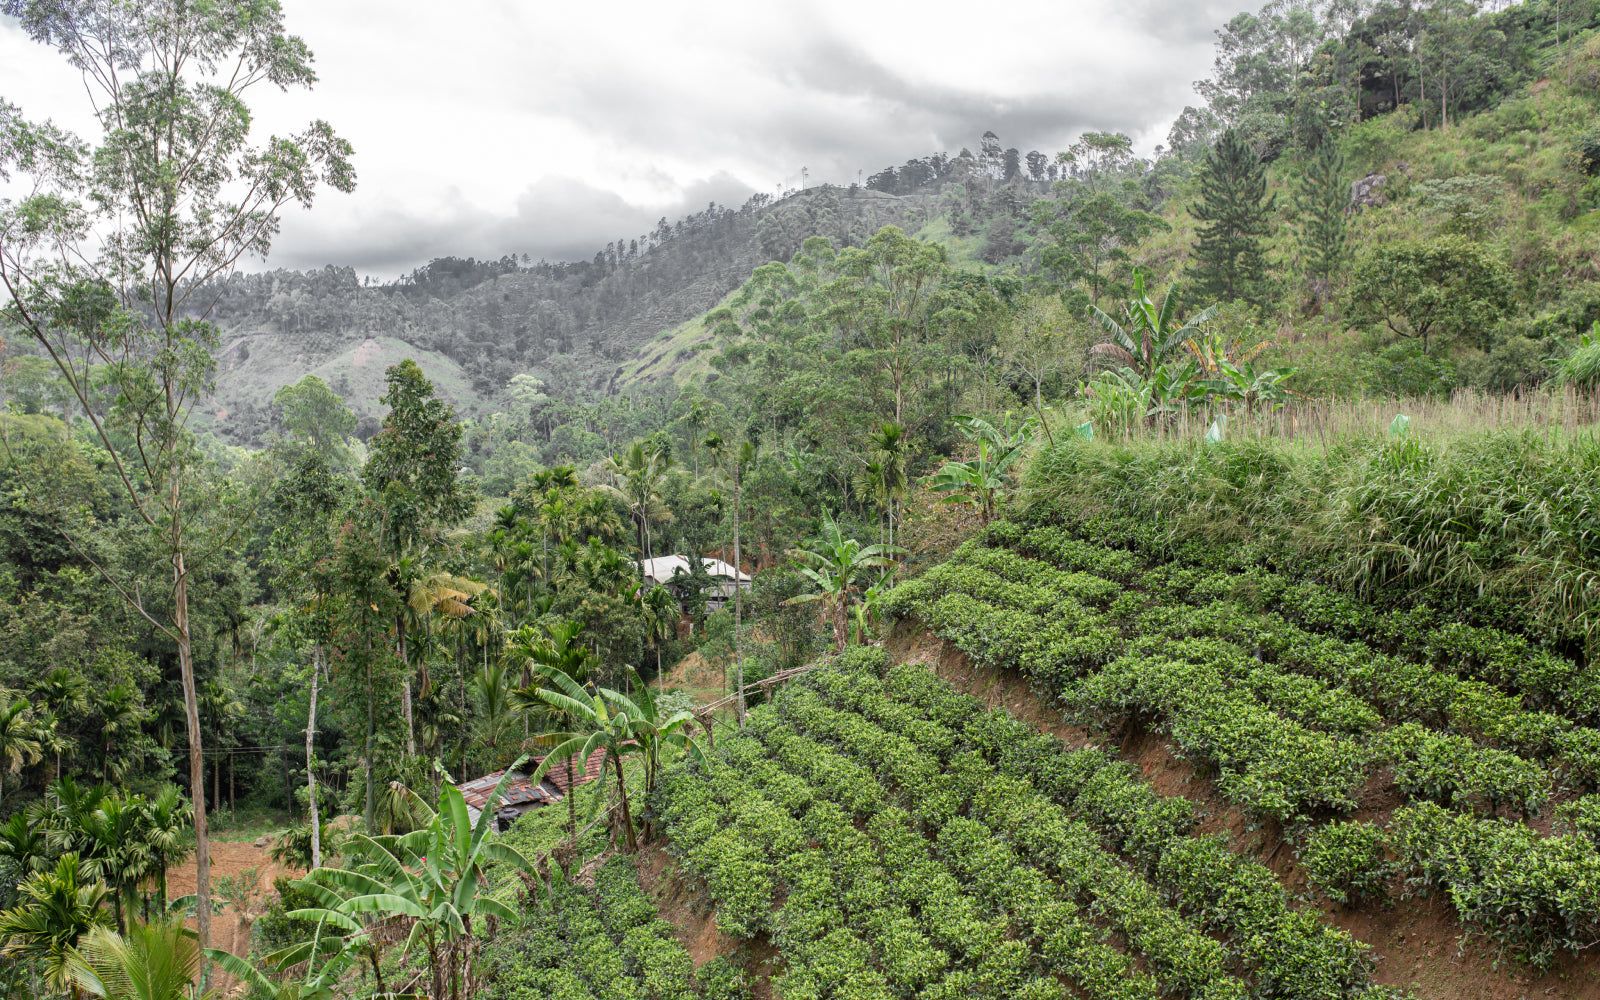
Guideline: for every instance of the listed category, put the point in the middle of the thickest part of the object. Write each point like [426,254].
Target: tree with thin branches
[107,261]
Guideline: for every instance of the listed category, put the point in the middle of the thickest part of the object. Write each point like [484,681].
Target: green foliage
[1348,861]
[315,418]
[1320,202]
[1433,291]
[1234,211]
[1009,813]
[412,467]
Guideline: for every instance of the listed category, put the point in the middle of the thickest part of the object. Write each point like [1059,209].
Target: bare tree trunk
[405,692]
[738,594]
[311,774]
[191,714]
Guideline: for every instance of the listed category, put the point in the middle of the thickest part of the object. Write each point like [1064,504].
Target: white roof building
[662,569]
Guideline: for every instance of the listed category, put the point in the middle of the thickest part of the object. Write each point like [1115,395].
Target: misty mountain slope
[473,325]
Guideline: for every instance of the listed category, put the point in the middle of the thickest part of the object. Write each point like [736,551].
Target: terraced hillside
[1404,759]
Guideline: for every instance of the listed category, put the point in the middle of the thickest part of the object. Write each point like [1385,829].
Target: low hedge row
[1287,952]
[1540,895]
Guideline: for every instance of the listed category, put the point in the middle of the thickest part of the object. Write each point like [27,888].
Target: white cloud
[549,129]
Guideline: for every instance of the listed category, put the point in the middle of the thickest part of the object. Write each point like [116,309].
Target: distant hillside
[472,325]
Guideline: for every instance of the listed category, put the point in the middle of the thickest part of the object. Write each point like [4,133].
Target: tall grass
[1568,408]
[1487,506]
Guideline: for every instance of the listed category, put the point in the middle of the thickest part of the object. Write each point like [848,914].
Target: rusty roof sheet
[519,791]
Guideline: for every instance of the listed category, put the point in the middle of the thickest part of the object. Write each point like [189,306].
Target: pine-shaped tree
[1319,207]
[1235,213]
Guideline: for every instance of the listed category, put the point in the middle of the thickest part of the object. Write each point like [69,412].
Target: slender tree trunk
[191,712]
[372,720]
[405,692]
[572,806]
[738,594]
[627,817]
[311,773]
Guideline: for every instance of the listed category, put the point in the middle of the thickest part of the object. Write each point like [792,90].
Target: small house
[519,795]
[664,570]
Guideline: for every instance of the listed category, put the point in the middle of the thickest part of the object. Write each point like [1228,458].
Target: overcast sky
[485,127]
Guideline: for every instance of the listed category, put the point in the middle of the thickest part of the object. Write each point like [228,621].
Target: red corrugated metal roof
[519,791]
[590,771]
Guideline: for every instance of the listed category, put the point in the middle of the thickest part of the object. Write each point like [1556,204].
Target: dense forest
[1104,574]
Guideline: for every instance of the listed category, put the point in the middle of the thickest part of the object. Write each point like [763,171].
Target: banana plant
[607,721]
[1253,389]
[318,981]
[980,481]
[835,565]
[1149,335]
[431,875]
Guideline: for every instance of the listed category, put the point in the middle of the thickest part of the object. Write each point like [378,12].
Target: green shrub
[1348,862]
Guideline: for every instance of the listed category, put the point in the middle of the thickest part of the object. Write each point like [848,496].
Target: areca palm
[116,831]
[52,741]
[1149,334]
[836,565]
[431,876]
[492,691]
[120,712]
[66,695]
[660,611]
[638,478]
[24,851]
[889,452]
[167,820]
[60,906]
[424,594]
[19,741]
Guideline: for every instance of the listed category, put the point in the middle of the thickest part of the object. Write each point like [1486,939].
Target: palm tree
[890,447]
[559,650]
[120,712]
[1149,334]
[61,906]
[431,875]
[67,818]
[698,415]
[835,565]
[424,594]
[24,851]
[167,820]
[159,960]
[52,741]
[116,831]
[19,740]
[637,479]
[66,694]
[660,611]
[492,691]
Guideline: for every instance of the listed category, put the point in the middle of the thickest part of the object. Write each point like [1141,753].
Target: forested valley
[1018,574]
